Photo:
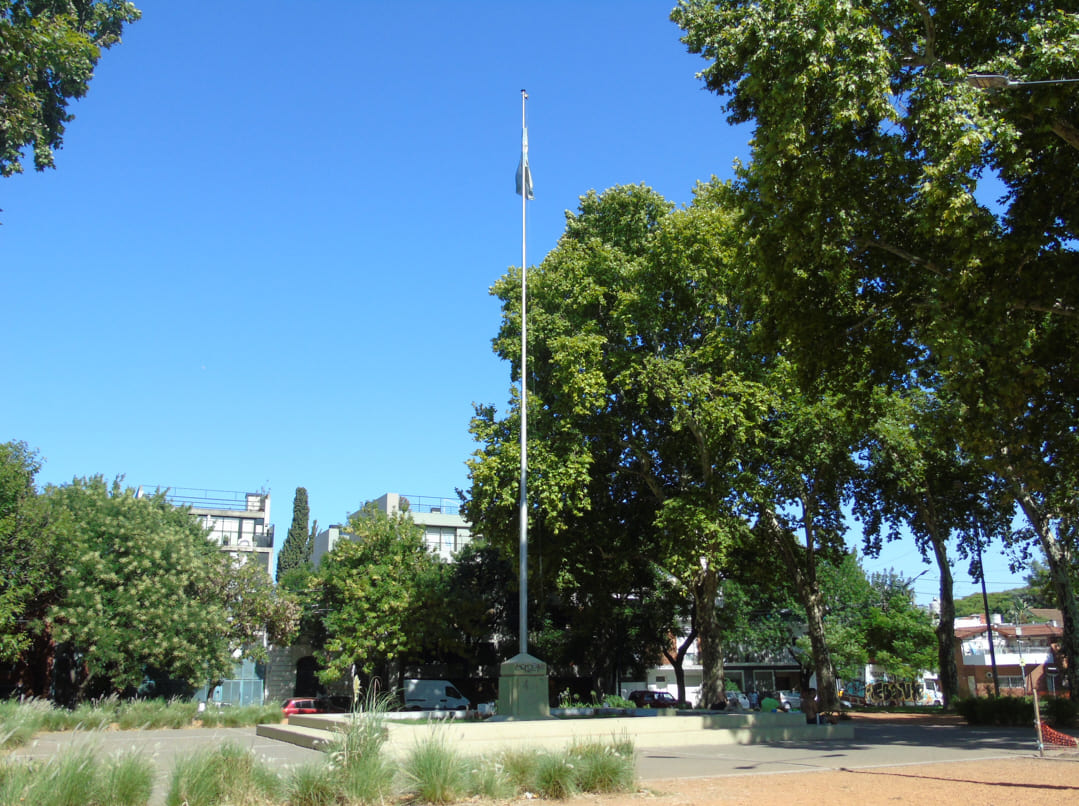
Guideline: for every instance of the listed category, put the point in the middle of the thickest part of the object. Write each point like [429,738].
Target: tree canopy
[368,590]
[878,259]
[299,543]
[48,52]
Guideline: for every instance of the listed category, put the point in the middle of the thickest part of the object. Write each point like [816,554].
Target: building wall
[1023,654]
[444,530]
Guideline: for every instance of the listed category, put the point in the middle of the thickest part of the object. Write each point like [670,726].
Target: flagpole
[523,506]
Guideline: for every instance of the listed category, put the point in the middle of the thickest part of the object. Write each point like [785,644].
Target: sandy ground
[1011,781]
[1052,779]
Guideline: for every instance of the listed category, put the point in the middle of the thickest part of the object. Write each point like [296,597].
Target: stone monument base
[522,689]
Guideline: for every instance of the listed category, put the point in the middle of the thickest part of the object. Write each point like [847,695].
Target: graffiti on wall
[885,692]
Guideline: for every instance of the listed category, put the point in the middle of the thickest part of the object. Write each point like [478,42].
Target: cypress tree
[296,550]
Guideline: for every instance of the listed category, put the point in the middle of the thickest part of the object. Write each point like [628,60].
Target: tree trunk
[705,588]
[1060,565]
[949,671]
[677,661]
[802,565]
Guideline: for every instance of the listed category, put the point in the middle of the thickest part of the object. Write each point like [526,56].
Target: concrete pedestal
[522,689]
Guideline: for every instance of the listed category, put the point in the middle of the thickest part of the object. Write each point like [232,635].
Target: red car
[302,705]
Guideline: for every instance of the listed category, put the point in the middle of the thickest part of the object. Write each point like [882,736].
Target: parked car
[334,704]
[652,699]
[433,695]
[739,699]
[789,700]
[301,705]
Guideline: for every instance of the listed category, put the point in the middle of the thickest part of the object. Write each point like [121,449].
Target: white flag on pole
[524,173]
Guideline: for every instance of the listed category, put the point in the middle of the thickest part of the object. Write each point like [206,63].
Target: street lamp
[995,81]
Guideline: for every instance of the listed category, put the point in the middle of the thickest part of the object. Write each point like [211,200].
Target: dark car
[334,704]
[652,699]
[301,705]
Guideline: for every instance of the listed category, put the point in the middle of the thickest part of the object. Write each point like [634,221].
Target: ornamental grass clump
[20,721]
[519,767]
[555,777]
[488,779]
[358,767]
[226,775]
[78,776]
[600,767]
[436,773]
[309,785]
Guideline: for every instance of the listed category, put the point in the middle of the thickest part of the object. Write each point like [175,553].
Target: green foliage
[1002,602]
[1062,713]
[136,568]
[48,51]
[20,721]
[877,260]
[604,767]
[436,772]
[996,710]
[308,785]
[873,620]
[368,591]
[30,555]
[78,776]
[296,550]
[227,774]
[254,606]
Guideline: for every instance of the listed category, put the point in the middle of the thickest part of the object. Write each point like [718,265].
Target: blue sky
[264,257]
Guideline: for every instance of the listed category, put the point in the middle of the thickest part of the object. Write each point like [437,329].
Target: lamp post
[1023,674]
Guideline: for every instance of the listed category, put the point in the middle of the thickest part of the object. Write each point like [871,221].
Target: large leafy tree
[918,481]
[368,592]
[48,52]
[662,429]
[134,590]
[877,259]
[29,556]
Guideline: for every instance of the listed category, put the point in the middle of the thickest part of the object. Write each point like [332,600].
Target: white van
[437,695]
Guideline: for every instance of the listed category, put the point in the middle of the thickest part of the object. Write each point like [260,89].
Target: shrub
[1060,712]
[996,710]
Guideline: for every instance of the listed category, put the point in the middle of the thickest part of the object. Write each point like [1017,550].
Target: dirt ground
[1053,779]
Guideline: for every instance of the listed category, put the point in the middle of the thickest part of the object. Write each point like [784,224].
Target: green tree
[48,52]
[29,555]
[299,542]
[255,608]
[367,593]
[873,619]
[918,482]
[134,593]
[876,261]
[659,426]
[596,316]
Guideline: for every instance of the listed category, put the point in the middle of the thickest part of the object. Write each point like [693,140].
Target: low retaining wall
[493,734]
